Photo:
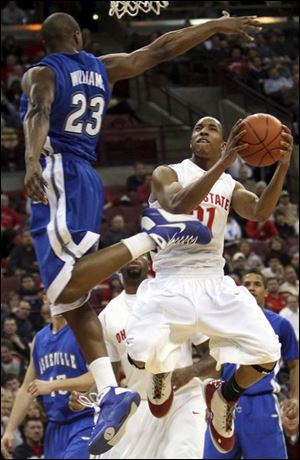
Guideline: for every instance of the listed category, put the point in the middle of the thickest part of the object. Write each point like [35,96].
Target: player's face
[255,285]
[136,269]
[207,138]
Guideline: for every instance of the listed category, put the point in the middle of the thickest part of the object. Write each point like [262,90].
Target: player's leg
[261,435]
[210,452]
[239,333]
[78,435]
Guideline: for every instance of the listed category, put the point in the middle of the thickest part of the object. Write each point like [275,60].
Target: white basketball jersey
[114,319]
[212,212]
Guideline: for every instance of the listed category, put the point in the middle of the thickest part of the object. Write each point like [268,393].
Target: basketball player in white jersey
[190,293]
[181,434]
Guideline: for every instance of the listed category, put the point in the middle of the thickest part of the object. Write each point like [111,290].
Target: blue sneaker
[166,228]
[114,407]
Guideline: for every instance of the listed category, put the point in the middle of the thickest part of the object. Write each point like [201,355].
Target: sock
[103,373]
[231,390]
[139,244]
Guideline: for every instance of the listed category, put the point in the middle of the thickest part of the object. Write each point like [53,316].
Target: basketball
[264,137]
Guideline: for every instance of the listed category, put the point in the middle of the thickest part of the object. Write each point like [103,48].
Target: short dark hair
[254,271]
[31,419]
[6,343]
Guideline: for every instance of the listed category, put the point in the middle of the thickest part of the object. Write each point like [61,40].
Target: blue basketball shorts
[68,440]
[67,227]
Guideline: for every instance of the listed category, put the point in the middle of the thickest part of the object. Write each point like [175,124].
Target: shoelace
[158,381]
[92,400]
[229,418]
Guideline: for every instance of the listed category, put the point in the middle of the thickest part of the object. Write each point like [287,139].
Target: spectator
[260,188]
[290,209]
[285,231]
[274,268]
[45,311]
[13,300]
[260,230]
[10,223]
[10,332]
[10,46]
[33,435]
[12,14]
[291,283]
[233,231]
[22,258]
[11,362]
[291,312]
[31,294]
[116,232]
[143,191]
[137,179]
[253,260]
[277,248]
[236,64]
[295,262]
[24,325]
[9,113]
[274,300]
[12,383]
[239,267]
[257,74]
[275,84]
[263,49]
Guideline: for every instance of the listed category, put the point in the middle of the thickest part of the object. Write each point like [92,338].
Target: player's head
[61,32]
[207,139]
[255,282]
[135,271]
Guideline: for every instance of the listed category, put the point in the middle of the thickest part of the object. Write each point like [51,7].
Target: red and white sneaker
[160,394]
[220,417]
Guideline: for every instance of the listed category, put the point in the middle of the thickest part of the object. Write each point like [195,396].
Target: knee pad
[263,370]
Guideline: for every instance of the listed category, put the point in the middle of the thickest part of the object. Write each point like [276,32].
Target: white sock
[139,244]
[103,373]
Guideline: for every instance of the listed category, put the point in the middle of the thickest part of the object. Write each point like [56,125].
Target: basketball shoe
[160,394]
[220,415]
[167,229]
[113,408]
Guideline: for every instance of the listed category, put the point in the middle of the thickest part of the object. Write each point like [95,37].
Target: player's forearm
[178,42]
[188,198]
[36,128]
[20,408]
[81,383]
[269,199]
[206,367]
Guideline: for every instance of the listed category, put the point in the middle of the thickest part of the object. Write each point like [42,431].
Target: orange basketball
[264,137]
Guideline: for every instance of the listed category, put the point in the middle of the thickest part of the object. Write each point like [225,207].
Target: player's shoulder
[37,74]
[278,321]
[113,308]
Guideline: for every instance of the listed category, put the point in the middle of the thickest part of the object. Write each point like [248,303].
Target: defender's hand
[34,182]
[244,25]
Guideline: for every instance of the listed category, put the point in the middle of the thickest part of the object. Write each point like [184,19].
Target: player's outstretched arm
[38,85]
[247,204]
[19,411]
[42,387]
[175,43]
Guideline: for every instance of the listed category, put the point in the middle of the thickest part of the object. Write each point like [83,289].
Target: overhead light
[95,17]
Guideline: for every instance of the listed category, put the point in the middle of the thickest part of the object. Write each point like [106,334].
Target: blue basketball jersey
[289,352]
[82,95]
[57,356]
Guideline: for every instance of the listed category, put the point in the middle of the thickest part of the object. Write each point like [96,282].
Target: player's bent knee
[137,364]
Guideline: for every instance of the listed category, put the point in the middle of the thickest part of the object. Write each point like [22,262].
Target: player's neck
[204,164]
[68,49]
[131,289]
[58,322]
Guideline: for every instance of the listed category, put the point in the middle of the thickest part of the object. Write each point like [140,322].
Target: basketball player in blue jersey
[258,428]
[58,363]
[65,98]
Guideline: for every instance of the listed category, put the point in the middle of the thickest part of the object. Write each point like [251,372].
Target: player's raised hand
[233,145]
[245,25]
[34,182]
[287,145]
[6,444]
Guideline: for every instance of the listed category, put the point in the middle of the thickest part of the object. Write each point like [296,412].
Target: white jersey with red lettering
[181,434]
[190,294]
[213,212]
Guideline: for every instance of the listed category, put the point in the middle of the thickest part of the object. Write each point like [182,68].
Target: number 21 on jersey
[206,216]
